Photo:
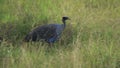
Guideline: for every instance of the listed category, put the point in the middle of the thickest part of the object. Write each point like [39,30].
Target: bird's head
[65,18]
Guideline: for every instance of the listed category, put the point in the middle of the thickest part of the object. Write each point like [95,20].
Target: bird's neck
[64,23]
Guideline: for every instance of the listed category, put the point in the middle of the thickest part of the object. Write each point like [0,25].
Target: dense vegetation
[91,39]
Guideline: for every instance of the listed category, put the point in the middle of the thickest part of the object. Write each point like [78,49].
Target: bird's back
[45,31]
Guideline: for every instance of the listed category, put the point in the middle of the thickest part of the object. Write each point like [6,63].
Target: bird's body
[49,33]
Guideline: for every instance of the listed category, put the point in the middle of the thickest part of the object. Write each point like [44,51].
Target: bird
[49,33]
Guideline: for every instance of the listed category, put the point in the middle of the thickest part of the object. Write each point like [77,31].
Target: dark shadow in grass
[118,64]
[1,39]
[13,31]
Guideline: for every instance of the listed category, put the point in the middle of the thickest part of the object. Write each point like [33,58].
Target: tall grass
[90,40]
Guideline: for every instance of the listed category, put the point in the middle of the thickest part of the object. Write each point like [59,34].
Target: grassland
[90,40]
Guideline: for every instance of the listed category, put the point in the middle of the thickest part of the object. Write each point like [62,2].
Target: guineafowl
[49,33]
